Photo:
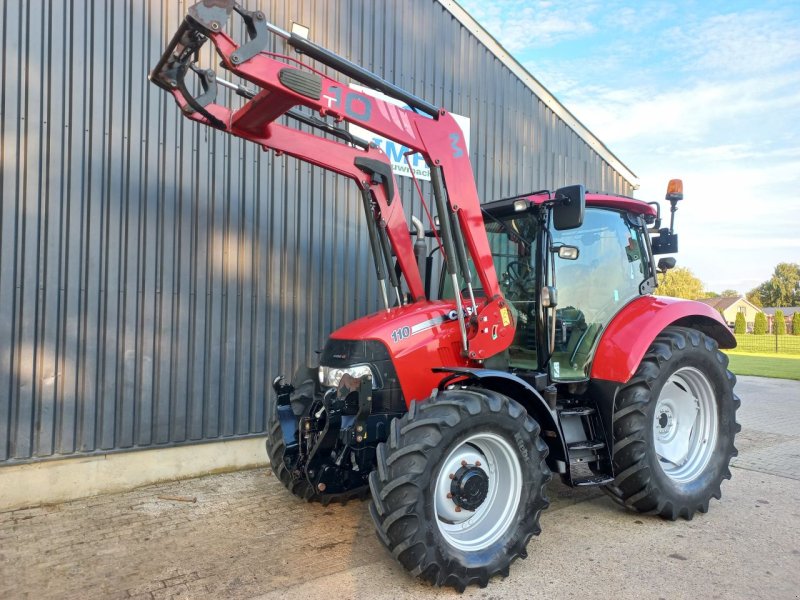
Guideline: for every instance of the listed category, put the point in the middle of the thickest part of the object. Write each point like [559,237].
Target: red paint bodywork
[439,140]
[627,337]
[417,354]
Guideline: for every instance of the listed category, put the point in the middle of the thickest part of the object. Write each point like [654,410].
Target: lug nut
[458,509]
[463,463]
[452,475]
[477,463]
[449,496]
[359,438]
[321,487]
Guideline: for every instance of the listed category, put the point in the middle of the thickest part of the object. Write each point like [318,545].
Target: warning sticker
[505,316]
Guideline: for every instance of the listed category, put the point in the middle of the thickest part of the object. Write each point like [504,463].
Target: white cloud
[739,43]
[519,24]
[685,114]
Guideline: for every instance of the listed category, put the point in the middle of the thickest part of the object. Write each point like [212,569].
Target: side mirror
[549,296]
[568,252]
[665,264]
[569,207]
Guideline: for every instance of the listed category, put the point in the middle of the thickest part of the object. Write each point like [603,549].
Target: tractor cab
[566,274]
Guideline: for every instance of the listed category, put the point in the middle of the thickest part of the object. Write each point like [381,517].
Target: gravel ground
[243,536]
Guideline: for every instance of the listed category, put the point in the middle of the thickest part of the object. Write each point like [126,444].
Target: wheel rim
[485,467]
[685,425]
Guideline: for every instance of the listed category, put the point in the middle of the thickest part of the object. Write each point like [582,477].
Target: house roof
[541,92]
[721,303]
[788,311]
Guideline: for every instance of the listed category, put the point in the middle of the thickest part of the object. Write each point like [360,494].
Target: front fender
[512,386]
[630,333]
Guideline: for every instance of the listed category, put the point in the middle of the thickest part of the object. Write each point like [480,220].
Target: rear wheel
[674,427]
[459,487]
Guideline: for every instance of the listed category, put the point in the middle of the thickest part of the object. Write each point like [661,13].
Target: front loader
[541,348]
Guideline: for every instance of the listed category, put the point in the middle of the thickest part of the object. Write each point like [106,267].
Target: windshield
[513,242]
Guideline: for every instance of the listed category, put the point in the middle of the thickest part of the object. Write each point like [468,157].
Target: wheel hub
[469,487]
[665,420]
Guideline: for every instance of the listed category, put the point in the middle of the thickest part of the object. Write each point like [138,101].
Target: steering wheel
[515,269]
[520,280]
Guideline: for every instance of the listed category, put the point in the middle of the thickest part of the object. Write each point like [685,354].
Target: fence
[768,343]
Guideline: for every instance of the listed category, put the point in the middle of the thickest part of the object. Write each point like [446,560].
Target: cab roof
[613,201]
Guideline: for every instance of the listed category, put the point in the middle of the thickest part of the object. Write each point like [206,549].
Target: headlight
[331,376]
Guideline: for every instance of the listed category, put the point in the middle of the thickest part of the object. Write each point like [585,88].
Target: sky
[705,91]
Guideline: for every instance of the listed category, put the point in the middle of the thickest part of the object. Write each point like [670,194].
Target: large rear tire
[459,487]
[674,427]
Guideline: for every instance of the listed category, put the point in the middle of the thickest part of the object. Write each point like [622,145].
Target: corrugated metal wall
[156,275]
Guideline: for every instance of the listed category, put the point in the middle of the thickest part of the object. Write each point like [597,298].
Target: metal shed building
[155,275]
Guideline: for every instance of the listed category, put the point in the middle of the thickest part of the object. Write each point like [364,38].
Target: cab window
[591,289]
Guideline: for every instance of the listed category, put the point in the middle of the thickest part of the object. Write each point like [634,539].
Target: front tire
[276,451]
[674,427]
[282,460]
[459,487]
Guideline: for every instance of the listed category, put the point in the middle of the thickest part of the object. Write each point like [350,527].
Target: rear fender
[630,333]
[524,393]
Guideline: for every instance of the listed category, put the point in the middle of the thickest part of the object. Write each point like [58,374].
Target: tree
[740,326]
[754,298]
[681,283]
[779,323]
[760,324]
[730,294]
[783,288]
[796,323]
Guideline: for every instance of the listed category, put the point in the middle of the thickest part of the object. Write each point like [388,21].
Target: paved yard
[245,537]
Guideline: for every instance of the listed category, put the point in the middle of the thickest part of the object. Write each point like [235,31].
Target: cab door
[606,276]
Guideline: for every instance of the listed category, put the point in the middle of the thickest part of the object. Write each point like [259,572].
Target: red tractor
[452,408]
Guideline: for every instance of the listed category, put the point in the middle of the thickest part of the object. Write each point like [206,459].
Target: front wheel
[279,460]
[674,427]
[459,487]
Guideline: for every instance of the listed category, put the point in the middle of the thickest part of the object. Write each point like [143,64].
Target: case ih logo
[396,151]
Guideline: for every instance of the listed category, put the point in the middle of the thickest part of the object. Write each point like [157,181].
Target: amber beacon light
[674,190]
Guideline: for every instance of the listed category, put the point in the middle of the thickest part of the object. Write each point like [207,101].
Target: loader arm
[423,128]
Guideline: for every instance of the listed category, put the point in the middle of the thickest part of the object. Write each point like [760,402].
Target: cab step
[577,411]
[592,480]
[587,445]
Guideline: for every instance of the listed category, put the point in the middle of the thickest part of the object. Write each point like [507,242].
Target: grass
[765,365]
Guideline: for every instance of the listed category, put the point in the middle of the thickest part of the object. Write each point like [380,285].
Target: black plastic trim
[302,82]
[379,172]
